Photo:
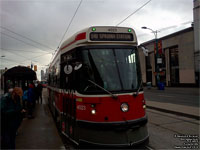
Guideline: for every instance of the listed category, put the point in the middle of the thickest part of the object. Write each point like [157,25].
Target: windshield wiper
[113,96]
[136,93]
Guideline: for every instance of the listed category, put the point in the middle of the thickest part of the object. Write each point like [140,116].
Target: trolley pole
[155,32]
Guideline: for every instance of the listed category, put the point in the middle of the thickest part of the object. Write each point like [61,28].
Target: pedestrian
[11,117]
[25,98]
[30,101]
[39,91]
[34,94]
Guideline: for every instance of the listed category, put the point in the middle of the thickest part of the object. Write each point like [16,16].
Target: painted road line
[166,96]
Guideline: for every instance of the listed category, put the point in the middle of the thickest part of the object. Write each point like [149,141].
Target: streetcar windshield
[113,69]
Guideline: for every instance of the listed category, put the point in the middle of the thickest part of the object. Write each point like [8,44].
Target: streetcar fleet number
[81,107]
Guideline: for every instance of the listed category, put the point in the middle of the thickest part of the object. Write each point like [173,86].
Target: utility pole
[155,32]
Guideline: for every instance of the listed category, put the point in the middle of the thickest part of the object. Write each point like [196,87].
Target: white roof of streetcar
[82,38]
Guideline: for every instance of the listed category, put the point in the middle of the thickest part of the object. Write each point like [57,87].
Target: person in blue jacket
[11,117]
[30,101]
[25,97]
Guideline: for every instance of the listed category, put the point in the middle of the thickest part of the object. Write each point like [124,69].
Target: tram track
[149,148]
[169,115]
[166,128]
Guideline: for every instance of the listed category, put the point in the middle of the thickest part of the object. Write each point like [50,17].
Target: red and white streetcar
[95,88]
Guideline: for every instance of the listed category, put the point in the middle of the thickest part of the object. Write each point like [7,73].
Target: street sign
[159,60]
[159,47]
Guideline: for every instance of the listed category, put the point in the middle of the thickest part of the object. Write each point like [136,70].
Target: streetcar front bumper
[118,134]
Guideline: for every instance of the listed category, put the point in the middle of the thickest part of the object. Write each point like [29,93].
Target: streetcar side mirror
[144,50]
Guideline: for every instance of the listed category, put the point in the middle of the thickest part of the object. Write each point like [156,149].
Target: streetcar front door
[69,115]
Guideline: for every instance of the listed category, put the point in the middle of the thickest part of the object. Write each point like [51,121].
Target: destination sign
[95,36]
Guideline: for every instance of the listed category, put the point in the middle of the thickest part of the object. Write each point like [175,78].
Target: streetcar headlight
[93,111]
[124,107]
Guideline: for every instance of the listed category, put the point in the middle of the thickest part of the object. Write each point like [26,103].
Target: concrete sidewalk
[40,132]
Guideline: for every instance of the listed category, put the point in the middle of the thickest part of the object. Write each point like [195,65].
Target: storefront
[173,63]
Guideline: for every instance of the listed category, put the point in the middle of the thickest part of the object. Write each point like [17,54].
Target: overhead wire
[40,55]
[23,62]
[167,28]
[16,54]
[7,66]
[33,58]
[19,50]
[38,42]
[69,23]
[174,26]
[67,29]
[23,41]
[10,60]
[26,58]
[26,38]
[133,12]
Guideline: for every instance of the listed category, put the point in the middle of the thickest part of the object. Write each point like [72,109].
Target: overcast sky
[31,30]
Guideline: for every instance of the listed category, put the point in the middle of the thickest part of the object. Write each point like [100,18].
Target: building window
[174,57]
[174,66]
[148,69]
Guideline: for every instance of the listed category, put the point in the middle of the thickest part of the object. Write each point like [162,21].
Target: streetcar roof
[83,37]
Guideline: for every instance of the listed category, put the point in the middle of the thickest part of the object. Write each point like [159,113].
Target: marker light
[124,107]
[129,30]
[92,105]
[93,111]
[144,104]
[93,29]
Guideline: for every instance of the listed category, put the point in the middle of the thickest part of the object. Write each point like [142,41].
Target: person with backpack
[11,117]
[25,98]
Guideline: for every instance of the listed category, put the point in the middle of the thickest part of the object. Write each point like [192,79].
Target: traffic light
[35,67]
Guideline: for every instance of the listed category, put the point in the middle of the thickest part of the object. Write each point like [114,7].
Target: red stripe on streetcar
[80,36]
[68,45]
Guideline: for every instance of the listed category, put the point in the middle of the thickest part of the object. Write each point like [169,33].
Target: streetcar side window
[67,80]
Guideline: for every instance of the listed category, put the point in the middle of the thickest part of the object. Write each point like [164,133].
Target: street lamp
[2,56]
[155,32]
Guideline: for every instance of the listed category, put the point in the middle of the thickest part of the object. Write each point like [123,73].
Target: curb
[174,112]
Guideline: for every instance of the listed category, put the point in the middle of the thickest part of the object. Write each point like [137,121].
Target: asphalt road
[181,96]
[168,131]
